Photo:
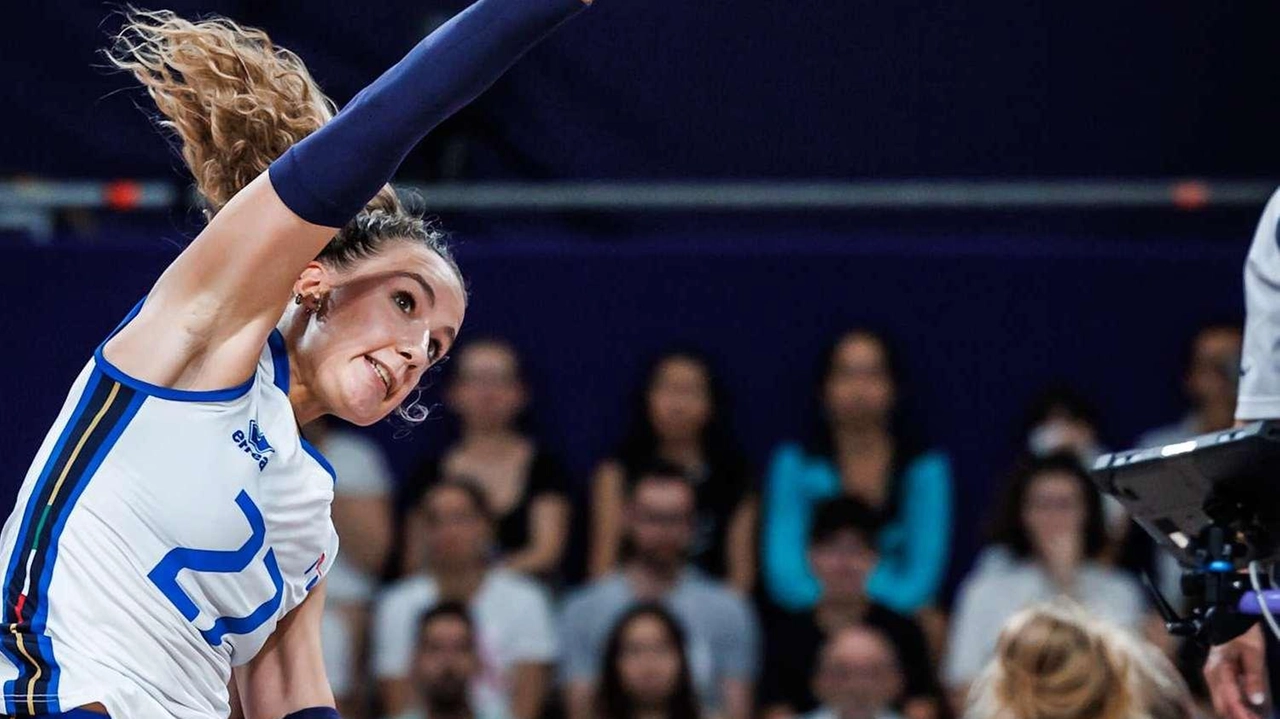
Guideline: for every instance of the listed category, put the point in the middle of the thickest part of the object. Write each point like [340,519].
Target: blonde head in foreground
[1055,662]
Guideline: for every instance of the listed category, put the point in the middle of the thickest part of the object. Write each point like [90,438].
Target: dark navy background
[985,322]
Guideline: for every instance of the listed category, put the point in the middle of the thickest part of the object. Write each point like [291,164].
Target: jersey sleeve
[1259,393]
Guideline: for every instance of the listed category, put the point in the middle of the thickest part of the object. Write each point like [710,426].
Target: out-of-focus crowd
[810,588]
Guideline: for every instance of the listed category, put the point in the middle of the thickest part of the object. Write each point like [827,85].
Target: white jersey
[1259,394]
[158,538]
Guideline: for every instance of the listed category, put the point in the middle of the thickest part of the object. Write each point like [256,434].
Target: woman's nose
[414,354]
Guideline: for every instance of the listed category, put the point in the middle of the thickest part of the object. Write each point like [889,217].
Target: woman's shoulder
[792,456]
[933,462]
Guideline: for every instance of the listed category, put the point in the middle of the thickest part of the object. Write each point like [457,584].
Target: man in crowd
[515,628]
[1209,380]
[842,556]
[858,677]
[446,662]
[723,637]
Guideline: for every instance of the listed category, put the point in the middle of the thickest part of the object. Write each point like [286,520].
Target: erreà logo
[254,444]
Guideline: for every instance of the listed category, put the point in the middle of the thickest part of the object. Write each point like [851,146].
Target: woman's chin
[362,409]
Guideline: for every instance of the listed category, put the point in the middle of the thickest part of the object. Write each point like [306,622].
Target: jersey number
[165,576]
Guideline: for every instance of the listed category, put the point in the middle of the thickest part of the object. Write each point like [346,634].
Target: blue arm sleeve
[908,577]
[788,506]
[329,177]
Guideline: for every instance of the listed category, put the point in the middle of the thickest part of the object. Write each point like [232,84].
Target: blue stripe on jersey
[279,361]
[112,406]
[177,395]
[86,476]
[319,458]
[29,514]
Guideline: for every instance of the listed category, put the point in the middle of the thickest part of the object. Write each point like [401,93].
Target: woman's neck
[859,439]
[836,614]
[306,406]
[685,452]
[460,585]
[651,714]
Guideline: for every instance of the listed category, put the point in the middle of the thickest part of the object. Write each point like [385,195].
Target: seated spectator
[646,669]
[1209,378]
[1051,530]
[1055,662]
[720,625]
[859,676]
[862,450]
[446,662]
[1061,419]
[513,619]
[362,516]
[842,555]
[526,487]
[679,419]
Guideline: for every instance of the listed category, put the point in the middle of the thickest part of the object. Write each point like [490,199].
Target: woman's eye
[404,301]
[434,351]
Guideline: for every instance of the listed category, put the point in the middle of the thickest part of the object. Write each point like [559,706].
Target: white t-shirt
[513,620]
[1259,394]
[362,472]
[1000,588]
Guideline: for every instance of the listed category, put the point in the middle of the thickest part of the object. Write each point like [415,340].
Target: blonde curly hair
[1055,662]
[233,101]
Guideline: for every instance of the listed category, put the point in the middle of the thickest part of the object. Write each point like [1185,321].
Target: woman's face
[648,662]
[487,392]
[1054,510]
[380,325]
[679,399]
[859,389]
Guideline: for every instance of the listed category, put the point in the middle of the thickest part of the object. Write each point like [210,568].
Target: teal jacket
[914,545]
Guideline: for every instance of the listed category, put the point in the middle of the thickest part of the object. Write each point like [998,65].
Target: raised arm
[209,314]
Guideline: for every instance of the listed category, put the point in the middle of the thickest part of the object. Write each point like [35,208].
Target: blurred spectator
[646,669]
[1209,379]
[1055,662]
[1061,419]
[859,676]
[679,418]
[446,662]
[842,554]
[1051,531]
[861,450]
[525,486]
[362,515]
[723,650]
[513,618]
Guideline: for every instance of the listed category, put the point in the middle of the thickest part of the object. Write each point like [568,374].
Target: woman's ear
[314,280]
[311,289]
